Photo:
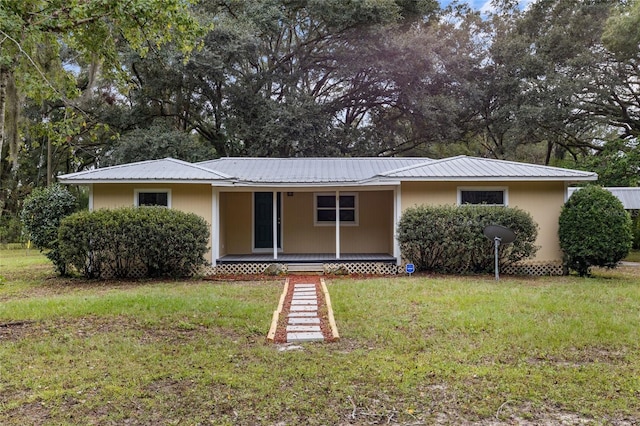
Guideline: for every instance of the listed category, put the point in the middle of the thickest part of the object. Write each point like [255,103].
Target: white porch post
[275,225]
[91,197]
[337,224]
[215,225]
[397,213]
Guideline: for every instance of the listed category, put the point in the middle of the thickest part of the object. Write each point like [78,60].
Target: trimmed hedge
[450,239]
[118,242]
[595,230]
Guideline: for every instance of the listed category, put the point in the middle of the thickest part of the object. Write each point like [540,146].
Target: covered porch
[305,225]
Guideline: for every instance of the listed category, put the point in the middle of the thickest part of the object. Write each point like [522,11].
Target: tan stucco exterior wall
[192,198]
[236,212]
[374,232]
[543,200]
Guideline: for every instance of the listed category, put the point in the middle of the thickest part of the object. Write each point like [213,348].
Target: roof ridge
[314,158]
[197,166]
[116,166]
[413,166]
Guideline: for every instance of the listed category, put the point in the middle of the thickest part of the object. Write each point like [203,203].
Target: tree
[34,33]
[617,163]
[595,230]
[280,78]
[155,142]
[622,31]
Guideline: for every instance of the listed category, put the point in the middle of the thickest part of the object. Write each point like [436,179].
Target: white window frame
[356,211]
[138,191]
[504,189]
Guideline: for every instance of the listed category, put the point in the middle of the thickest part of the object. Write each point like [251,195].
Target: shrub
[41,214]
[164,242]
[595,230]
[450,239]
[10,230]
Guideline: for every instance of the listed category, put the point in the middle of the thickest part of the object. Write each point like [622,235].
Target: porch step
[305,267]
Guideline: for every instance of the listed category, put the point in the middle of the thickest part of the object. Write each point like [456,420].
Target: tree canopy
[91,83]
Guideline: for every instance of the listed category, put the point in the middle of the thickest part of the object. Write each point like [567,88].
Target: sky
[484,5]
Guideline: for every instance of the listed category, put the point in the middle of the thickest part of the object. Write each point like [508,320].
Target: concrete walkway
[303,322]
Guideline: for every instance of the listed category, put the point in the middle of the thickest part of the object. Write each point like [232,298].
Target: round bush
[119,242]
[595,230]
[450,239]
[41,214]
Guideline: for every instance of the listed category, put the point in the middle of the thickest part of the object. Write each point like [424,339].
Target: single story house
[306,212]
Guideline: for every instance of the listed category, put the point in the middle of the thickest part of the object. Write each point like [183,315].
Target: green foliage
[158,141]
[32,29]
[450,239]
[115,242]
[595,230]
[622,31]
[617,163]
[636,231]
[41,214]
[10,229]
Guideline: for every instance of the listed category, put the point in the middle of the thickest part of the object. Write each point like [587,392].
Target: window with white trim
[483,196]
[325,209]
[152,197]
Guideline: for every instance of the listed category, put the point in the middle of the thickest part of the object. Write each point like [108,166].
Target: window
[325,209]
[487,196]
[152,197]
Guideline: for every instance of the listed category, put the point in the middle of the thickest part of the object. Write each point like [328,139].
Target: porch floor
[306,258]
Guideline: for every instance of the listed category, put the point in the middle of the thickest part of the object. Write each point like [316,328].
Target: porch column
[215,225]
[397,213]
[275,225]
[91,197]
[337,224]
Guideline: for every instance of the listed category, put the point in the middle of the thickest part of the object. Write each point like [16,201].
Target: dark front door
[263,220]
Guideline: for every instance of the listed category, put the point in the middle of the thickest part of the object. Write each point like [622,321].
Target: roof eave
[495,179]
[72,181]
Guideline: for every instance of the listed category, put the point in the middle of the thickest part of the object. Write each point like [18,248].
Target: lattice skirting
[245,269]
[365,268]
[535,268]
[371,268]
[356,268]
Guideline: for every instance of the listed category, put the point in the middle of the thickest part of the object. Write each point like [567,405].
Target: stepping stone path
[303,323]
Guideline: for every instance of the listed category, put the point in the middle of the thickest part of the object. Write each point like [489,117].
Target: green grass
[413,350]
[634,256]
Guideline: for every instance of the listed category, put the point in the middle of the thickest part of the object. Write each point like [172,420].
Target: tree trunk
[12,107]
[4,75]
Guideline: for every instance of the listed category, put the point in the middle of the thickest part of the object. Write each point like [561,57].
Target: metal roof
[308,170]
[165,170]
[473,168]
[324,171]
[629,196]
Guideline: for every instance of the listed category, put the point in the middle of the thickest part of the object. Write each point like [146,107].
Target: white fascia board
[498,179]
[141,181]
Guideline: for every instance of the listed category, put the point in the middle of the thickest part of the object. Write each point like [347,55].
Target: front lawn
[413,350]
[633,256]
